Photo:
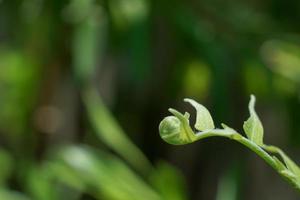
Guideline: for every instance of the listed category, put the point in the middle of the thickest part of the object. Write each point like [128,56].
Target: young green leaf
[176,130]
[253,126]
[204,120]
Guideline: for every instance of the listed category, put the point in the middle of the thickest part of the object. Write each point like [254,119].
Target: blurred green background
[85,83]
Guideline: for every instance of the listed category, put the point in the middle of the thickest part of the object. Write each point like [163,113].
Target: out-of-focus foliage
[18,80]
[6,164]
[84,83]
[12,195]
[103,175]
[283,57]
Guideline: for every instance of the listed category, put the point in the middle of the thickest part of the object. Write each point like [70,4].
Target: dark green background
[60,59]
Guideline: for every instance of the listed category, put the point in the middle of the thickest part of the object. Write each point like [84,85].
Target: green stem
[250,145]
[266,157]
[259,151]
[239,138]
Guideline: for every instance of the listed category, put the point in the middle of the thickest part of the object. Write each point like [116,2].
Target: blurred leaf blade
[110,177]
[109,131]
[169,182]
[283,58]
[228,186]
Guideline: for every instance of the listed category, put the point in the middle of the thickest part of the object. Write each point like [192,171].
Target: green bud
[172,131]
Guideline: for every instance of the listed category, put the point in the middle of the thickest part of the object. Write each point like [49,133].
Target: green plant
[176,130]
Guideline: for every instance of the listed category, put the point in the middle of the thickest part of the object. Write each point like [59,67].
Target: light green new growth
[176,130]
[253,127]
[204,120]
